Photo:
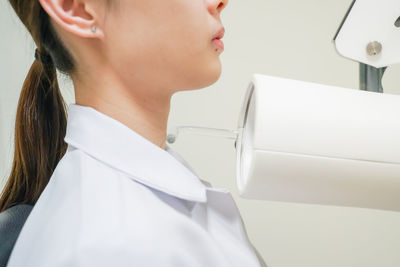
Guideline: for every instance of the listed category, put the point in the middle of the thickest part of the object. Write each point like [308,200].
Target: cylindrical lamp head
[310,143]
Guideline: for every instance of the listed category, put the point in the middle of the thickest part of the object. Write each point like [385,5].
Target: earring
[93,29]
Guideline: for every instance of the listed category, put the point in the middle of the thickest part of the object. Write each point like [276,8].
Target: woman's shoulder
[96,182]
[96,186]
[101,198]
[88,203]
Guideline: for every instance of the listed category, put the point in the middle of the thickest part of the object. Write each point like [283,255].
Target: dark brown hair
[41,118]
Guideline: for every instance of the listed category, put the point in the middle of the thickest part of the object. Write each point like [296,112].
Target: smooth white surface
[369,21]
[116,199]
[311,143]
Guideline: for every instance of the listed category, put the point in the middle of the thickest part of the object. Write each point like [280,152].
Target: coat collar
[115,144]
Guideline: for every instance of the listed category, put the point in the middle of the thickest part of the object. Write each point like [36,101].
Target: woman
[118,195]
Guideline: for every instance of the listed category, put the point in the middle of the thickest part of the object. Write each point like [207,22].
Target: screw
[374,48]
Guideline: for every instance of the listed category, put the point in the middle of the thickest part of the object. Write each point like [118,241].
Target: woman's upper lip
[219,34]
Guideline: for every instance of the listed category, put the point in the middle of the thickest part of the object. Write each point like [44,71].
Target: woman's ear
[76,16]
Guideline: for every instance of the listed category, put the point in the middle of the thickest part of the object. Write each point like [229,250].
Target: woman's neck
[143,112]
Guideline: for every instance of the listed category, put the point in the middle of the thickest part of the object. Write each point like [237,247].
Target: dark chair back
[11,222]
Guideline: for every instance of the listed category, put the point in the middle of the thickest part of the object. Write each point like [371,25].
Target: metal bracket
[371,78]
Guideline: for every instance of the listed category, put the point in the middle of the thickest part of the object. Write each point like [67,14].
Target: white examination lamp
[304,142]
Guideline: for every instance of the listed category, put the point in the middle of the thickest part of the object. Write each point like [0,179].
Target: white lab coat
[116,199]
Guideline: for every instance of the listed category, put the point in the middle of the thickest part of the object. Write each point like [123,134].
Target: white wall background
[286,38]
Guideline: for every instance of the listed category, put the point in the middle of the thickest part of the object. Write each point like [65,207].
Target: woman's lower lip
[218,43]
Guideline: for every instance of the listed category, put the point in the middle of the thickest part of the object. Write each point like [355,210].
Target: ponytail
[39,136]
[41,119]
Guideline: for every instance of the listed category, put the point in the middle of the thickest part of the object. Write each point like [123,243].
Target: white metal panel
[371,21]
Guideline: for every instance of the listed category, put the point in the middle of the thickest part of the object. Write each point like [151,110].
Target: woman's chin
[212,75]
[214,70]
[202,75]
